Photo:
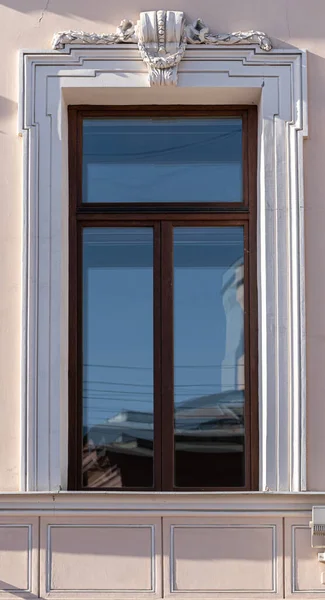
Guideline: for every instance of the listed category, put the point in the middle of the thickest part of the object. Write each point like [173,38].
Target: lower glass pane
[118,357]
[209,397]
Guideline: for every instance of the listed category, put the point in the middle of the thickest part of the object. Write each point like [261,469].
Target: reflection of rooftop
[214,422]
[132,416]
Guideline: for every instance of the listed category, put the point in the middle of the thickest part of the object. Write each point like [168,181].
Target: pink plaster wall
[30,24]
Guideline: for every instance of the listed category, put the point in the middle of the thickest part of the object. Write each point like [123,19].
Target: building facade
[160,363]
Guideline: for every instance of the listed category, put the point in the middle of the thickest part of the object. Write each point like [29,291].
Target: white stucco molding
[276,81]
[161,36]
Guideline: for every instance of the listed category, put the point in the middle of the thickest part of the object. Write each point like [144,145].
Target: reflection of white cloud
[232,371]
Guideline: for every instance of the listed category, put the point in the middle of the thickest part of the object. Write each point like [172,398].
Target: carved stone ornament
[162,43]
[162,36]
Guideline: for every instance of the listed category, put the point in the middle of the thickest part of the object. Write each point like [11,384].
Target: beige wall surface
[95,557]
[30,24]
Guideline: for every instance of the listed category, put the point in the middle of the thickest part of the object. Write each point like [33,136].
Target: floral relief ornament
[162,37]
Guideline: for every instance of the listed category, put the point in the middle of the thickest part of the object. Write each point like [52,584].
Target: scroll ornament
[162,37]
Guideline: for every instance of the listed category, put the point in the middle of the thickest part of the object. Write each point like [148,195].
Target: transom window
[163,309]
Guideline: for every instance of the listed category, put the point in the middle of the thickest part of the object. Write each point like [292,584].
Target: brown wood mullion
[134,218]
[252,300]
[248,403]
[157,443]
[167,356]
[155,110]
[162,210]
[74,442]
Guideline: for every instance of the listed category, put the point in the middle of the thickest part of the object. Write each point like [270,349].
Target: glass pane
[209,432]
[162,160]
[118,357]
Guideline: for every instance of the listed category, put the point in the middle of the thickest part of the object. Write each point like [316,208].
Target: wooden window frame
[163,217]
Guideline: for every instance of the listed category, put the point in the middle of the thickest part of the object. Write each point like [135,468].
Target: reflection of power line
[117,367]
[228,366]
[177,392]
[136,400]
[124,392]
[136,394]
[179,385]
[113,398]
[104,410]
[86,381]
[164,151]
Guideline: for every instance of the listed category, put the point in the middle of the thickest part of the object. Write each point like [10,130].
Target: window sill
[150,503]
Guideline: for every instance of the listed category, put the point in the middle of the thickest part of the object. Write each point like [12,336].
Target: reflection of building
[215,415]
[212,424]
[233,372]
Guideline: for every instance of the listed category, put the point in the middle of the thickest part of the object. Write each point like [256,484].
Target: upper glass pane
[162,160]
[117,357]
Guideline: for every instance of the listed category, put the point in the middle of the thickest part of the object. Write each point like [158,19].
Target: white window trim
[276,82]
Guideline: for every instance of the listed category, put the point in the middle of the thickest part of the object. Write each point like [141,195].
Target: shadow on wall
[113,557]
[315,280]
[101,555]
[99,10]
[231,16]
[14,591]
[8,111]
[8,108]
[118,536]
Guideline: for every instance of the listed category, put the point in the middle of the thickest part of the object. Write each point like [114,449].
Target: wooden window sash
[163,218]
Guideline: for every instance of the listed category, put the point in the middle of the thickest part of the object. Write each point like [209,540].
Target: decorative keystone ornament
[162,43]
[162,36]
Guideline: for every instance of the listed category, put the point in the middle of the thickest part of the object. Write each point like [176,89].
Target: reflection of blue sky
[162,160]
[118,323]
[118,316]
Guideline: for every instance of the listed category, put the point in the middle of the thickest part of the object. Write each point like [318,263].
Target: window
[163,351]
[91,75]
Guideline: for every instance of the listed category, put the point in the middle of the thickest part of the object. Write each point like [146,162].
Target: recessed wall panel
[18,557]
[92,557]
[216,557]
[303,571]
